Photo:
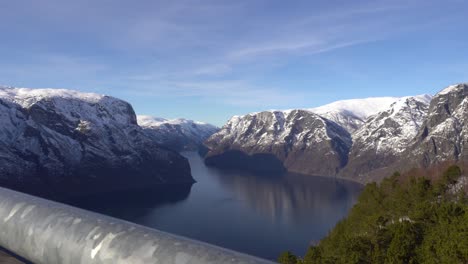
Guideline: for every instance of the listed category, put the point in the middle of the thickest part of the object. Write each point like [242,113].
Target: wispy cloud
[215,69]
[327,31]
[231,52]
[276,46]
[53,65]
[232,92]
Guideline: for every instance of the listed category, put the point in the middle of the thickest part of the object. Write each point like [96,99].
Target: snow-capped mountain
[444,134]
[351,114]
[393,128]
[298,140]
[178,134]
[386,135]
[321,147]
[64,143]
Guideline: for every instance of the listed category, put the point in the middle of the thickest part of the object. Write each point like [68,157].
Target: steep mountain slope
[444,134]
[351,114]
[65,143]
[389,134]
[178,134]
[385,136]
[273,141]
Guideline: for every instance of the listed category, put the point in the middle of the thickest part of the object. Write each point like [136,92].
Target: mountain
[382,135]
[352,114]
[368,135]
[382,139]
[310,141]
[444,134]
[65,143]
[177,134]
[275,141]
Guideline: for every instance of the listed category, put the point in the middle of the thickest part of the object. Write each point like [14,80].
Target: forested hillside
[402,220]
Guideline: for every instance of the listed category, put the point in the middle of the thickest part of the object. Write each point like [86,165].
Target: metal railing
[48,232]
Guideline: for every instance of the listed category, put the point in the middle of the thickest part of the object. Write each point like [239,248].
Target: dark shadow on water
[136,202]
[261,163]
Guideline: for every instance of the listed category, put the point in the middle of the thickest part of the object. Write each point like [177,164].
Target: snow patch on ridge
[27,97]
[71,103]
[178,133]
[450,89]
[391,130]
[361,108]
[151,121]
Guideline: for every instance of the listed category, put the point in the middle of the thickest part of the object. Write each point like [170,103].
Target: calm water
[258,215]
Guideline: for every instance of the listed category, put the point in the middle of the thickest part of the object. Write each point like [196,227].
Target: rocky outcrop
[444,134]
[273,141]
[65,143]
[424,135]
[177,134]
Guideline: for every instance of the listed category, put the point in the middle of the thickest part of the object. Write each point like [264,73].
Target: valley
[277,179]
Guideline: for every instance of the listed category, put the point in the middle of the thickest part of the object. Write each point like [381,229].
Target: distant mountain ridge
[353,113]
[387,134]
[280,140]
[177,134]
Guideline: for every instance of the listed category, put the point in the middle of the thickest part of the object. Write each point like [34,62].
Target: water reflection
[257,215]
[132,205]
[292,198]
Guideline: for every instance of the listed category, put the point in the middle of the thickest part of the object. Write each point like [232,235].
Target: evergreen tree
[409,220]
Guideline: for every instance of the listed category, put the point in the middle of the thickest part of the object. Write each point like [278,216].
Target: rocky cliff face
[273,141]
[384,137]
[444,134]
[66,143]
[410,131]
[177,134]
[418,131]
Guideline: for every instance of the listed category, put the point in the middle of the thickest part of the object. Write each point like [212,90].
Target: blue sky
[209,60]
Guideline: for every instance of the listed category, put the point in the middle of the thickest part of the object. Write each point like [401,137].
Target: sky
[210,60]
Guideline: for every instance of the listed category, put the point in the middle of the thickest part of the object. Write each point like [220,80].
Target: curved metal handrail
[48,232]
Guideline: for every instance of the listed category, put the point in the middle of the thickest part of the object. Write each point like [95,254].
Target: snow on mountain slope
[450,89]
[70,143]
[178,134]
[296,140]
[393,128]
[361,108]
[381,129]
[69,103]
[444,134]
[389,134]
[384,136]
[351,114]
